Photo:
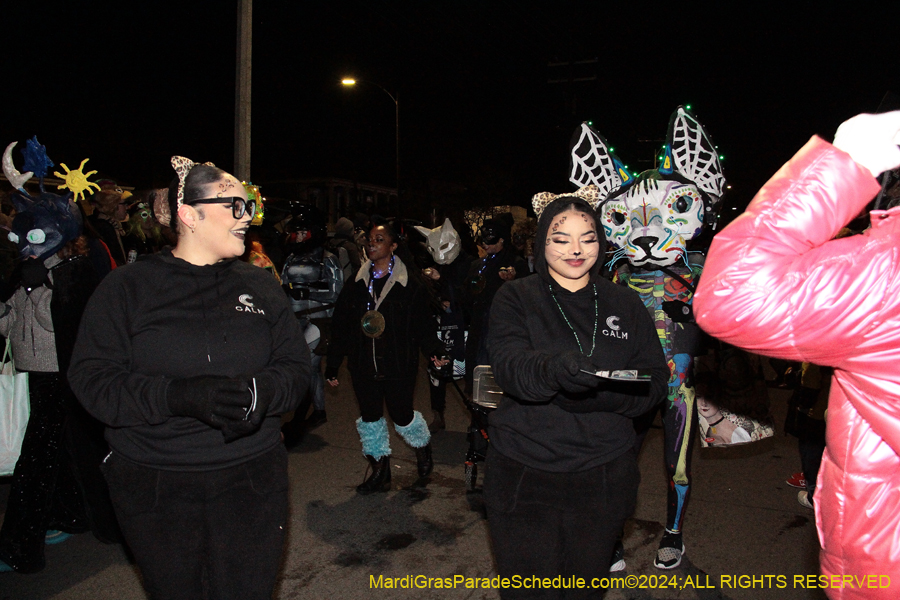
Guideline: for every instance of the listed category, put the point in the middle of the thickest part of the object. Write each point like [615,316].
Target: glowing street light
[350,82]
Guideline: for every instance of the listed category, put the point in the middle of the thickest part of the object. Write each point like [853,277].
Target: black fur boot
[380,479]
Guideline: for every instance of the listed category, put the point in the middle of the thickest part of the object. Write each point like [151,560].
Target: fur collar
[398,275]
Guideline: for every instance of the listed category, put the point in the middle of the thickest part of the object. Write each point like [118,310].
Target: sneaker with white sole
[797,480]
[803,499]
[618,559]
[671,549]
[54,536]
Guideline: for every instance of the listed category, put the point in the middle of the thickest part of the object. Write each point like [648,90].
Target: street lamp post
[350,82]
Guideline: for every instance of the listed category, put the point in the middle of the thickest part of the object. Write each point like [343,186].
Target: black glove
[444,372]
[217,401]
[34,274]
[678,311]
[566,371]
[257,411]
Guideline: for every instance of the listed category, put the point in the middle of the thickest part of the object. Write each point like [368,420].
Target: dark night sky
[128,84]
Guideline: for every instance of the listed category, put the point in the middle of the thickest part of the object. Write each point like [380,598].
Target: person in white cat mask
[449,273]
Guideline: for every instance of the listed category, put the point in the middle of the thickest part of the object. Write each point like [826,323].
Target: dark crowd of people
[175,352]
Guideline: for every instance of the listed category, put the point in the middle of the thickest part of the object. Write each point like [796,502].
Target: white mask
[443,242]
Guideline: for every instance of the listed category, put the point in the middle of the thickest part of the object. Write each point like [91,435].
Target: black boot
[437,423]
[316,418]
[424,462]
[380,479]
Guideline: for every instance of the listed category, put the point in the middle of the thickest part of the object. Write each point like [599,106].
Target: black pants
[373,395]
[438,395]
[44,494]
[547,524]
[204,534]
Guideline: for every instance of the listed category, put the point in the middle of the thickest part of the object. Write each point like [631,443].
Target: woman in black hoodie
[190,357]
[561,475]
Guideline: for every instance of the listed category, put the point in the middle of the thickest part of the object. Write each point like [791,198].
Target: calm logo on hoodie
[245,300]
[614,329]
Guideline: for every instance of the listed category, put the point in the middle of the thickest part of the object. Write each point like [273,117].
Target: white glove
[871,141]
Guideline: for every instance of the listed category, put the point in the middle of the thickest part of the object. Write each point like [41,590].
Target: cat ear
[21,200]
[592,162]
[691,153]
[423,230]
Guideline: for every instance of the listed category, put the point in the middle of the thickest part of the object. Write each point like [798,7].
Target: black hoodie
[162,318]
[536,424]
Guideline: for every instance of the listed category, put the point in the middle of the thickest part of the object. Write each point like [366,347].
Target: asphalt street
[745,533]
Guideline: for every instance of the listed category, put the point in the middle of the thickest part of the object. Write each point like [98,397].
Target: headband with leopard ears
[689,152]
[588,193]
[182,167]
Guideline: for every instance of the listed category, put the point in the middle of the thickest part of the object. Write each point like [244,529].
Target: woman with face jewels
[381,322]
[561,475]
[190,357]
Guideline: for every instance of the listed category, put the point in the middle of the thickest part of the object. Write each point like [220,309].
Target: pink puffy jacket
[776,283]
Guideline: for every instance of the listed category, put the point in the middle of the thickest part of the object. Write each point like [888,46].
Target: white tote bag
[14,411]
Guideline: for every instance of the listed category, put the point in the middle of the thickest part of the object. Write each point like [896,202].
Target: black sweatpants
[204,534]
[546,524]
[373,395]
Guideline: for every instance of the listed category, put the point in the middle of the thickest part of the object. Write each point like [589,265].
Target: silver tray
[486,393]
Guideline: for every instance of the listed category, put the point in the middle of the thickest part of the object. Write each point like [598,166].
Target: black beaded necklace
[575,333]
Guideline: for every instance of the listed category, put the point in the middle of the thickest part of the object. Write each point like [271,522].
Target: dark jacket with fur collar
[409,328]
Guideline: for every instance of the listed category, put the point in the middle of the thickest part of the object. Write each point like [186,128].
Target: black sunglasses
[239,206]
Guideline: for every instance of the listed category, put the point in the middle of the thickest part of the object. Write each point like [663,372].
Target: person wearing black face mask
[498,264]
[313,279]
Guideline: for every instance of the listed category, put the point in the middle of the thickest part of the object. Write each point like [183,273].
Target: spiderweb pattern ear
[693,153]
[591,162]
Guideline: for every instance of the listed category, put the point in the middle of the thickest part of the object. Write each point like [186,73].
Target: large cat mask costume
[650,218]
[443,242]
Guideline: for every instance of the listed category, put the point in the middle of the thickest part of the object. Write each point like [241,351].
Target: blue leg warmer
[415,434]
[374,437]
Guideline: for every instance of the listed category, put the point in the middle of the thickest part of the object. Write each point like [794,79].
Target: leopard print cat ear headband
[589,193]
[183,166]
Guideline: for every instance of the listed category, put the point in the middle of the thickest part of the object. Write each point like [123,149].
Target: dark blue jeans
[204,534]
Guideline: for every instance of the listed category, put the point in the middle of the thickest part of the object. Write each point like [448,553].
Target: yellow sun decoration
[76,181]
